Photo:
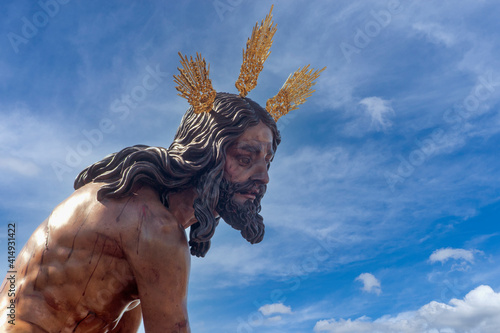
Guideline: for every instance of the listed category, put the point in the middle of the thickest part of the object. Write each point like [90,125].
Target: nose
[261,175]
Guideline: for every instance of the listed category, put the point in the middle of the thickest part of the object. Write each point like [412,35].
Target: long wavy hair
[196,159]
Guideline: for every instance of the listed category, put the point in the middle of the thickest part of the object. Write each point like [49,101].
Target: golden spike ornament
[194,83]
[256,53]
[294,92]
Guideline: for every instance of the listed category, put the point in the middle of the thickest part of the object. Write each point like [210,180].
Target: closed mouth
[248,195]
[252,194]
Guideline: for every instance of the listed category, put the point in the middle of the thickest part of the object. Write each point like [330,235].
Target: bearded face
[242,216]
[244,182]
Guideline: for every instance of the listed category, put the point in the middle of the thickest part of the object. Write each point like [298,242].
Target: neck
[181,206]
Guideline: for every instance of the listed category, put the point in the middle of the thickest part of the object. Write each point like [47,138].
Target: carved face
[244,183]
[247,160]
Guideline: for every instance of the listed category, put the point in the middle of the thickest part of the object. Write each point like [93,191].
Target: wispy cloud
[436,33]
[18,166]
[443,255]
[379,110]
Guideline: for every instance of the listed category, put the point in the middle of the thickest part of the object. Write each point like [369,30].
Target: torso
[73,274]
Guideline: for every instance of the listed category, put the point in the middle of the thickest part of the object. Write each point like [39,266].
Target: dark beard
[244,218]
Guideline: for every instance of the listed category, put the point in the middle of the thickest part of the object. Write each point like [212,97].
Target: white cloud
[270,309]
[379,110]
[442,255]
[370,283]
[478,312]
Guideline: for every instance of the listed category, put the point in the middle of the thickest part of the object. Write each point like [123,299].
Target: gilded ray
[194,83]
[294,92]
[255,55]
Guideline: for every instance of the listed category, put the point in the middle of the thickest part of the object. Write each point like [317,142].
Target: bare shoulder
[130,220]
[143,222]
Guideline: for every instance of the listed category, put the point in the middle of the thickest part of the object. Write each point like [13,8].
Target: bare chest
[79,283]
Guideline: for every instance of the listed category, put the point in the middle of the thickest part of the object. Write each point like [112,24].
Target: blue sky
[383,206]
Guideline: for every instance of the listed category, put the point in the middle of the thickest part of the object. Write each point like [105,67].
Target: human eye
[269,158]
[244,160]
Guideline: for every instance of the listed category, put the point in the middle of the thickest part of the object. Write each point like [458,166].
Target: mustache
[249,186]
